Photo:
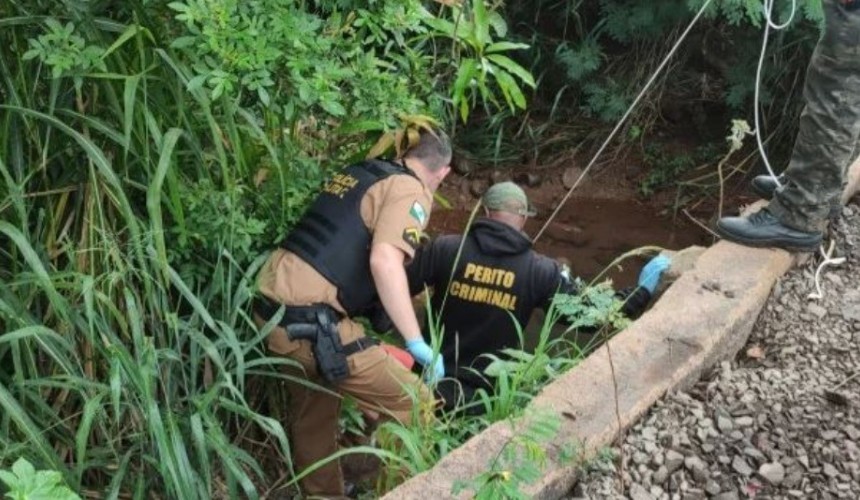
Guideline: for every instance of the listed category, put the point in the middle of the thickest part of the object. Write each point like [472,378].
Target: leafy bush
[149,153]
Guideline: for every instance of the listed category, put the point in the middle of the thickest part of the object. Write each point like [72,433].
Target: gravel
[781,420]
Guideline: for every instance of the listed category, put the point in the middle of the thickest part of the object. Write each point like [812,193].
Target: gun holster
[317,324]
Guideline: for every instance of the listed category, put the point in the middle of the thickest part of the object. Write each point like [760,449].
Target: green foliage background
[150,151]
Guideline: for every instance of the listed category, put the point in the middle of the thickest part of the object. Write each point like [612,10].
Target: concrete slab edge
[704,317]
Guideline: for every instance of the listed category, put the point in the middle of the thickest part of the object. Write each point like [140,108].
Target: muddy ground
[781,420]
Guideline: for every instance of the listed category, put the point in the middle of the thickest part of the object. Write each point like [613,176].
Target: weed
[24,482]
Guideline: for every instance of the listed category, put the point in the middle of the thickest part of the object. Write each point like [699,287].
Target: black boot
[765,185]
[762,229]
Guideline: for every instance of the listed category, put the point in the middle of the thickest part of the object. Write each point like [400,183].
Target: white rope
[625,116]
[829,260]
[767,7]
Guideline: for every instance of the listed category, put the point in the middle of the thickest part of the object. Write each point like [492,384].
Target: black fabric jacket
[499,277]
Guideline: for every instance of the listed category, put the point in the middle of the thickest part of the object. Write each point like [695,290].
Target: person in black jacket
[498,278]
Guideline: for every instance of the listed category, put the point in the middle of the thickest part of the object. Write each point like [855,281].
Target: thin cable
[767,7]
[626,115]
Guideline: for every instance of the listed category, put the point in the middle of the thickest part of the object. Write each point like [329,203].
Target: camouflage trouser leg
[829,125]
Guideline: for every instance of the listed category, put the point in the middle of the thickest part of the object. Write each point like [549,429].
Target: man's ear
[444,171]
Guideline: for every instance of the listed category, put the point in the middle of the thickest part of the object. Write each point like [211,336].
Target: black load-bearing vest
[332,237]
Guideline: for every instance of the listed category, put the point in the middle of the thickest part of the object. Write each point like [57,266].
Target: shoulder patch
[418,213]
[412,236]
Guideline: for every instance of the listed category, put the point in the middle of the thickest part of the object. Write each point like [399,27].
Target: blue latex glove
[423,354]
[650,275]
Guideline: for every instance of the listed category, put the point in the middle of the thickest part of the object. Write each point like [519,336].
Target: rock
[830,471]
[816,310]
[640,458]
[727,495]
[830,435]
[674,460]
[638,492]
[675,481]
[694,494]
[661,475]
[570,175]
[774,473]
[851,306]
[697,468]
[713,487]
[649,433]
[835,279]
[744,421]
[754,454]
[725,424]
[741,466]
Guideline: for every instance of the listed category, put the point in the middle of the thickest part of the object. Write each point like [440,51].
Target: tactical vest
[332,237]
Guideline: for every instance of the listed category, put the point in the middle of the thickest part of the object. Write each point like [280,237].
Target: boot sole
[785,245]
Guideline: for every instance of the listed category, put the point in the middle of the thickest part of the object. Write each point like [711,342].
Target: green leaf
[505,46]
[465,74]
[153,193]
[482,24]
[9,479]
[498,23]
[512,91]
[128,98]
[333,107]
[22,468]
[129,32]
[512,67]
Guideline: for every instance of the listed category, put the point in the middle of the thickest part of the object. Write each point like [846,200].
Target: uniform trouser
[829,125]
[379,384]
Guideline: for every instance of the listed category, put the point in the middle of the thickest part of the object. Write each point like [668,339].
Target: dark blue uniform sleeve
[432,264]
[635,300]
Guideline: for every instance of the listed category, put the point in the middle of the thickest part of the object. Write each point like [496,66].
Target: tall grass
[115,369]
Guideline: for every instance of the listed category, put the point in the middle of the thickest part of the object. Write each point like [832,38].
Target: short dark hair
[433,149]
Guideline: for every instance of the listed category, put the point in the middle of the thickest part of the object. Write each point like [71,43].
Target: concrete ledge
[852,182]
[702,318]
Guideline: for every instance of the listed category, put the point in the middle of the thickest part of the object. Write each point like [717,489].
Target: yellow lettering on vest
[496,298]
[481,294]
[479,273]
[470,270]
[508,279]
[455,288]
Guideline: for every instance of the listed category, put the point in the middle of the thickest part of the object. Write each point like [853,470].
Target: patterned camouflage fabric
[829,125]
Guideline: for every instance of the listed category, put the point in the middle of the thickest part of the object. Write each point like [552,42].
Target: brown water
[591,233]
